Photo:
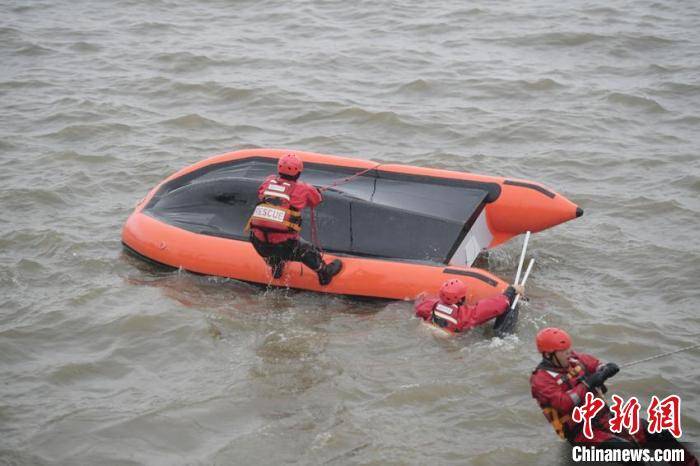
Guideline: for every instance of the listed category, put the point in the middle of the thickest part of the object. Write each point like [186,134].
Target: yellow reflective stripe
[293,226]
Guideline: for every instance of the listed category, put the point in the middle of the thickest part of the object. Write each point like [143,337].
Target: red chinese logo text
[587,412]
[661,415]
[625,415]
[665,415]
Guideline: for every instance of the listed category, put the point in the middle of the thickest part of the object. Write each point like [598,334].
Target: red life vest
[562,423]
[446,316]
[274,213]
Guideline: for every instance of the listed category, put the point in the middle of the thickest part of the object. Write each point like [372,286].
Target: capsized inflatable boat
[399,230]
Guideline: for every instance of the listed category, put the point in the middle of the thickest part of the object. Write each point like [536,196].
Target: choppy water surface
[105,361]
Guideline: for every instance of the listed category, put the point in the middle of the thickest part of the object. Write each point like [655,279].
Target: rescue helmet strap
[290,178]
[555,360]
[549,357]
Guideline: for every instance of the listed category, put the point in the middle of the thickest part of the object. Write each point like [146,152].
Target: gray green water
[105,362]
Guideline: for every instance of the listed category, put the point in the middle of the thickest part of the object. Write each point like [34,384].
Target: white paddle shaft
[527,274]
[522,257]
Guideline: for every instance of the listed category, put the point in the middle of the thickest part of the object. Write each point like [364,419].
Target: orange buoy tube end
[527,206]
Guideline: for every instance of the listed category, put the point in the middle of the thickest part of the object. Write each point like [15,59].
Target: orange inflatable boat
[399,230]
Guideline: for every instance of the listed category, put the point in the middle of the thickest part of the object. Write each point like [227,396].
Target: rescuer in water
[276,222]
[450,311]
[560,383]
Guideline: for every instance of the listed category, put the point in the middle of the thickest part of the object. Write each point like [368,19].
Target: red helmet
[290,165]
[552,339]
[453,291]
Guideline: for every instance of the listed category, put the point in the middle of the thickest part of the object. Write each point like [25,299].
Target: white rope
[660,355]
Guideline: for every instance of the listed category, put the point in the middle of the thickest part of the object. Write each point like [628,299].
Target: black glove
[594,380]
[510,294]
[598,378]
[610,369]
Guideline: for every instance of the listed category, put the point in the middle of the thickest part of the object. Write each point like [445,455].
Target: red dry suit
[456,318]
[559,390]
[277,217]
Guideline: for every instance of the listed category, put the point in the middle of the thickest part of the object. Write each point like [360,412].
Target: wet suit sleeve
[548,393]
[306,195]
[510,294]
[314,196]
[483,311]
[424,307]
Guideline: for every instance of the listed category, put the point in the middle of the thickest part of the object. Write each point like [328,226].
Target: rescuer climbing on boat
[398,229]
[275,225]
